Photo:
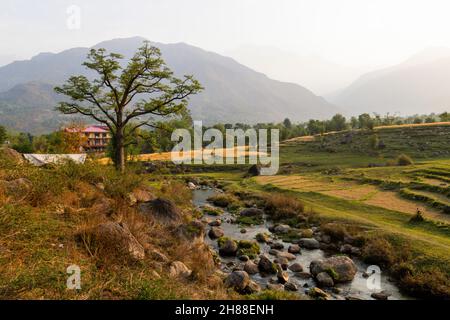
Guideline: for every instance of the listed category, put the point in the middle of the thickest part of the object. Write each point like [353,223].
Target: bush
[335,231]
[404,160]
[427,283]
[224,200]
[418,217]
[280,206]
[378,251]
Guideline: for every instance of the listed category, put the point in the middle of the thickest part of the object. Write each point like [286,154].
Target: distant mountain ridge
[417,86]
[233,92]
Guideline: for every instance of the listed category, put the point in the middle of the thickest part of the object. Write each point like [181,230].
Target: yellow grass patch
[237,152]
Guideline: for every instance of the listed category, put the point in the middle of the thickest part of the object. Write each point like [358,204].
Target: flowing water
[360,287]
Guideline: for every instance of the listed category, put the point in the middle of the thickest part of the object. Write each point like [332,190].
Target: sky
[347,32]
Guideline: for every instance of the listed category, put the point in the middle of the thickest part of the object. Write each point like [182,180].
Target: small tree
[2,135]
[124,98]
[445,117]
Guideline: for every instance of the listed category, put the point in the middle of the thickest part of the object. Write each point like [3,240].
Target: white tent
[41,159]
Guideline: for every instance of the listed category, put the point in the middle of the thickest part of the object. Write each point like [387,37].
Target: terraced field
[354,191]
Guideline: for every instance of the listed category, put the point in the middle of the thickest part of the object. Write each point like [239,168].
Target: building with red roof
[97,137]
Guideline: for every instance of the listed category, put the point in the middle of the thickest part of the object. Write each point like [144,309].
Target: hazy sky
[349,32]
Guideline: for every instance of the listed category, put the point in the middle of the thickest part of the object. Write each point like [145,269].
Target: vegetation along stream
[295,275]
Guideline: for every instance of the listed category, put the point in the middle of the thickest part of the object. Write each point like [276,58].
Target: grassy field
[354,183]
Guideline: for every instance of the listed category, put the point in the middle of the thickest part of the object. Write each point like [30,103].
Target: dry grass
[349,190]
[280,206]
[50,229]
[236,152]
[391,200]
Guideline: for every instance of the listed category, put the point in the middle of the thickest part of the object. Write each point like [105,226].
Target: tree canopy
[127,98]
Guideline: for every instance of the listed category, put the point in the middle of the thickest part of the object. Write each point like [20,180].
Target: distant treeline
[158,138]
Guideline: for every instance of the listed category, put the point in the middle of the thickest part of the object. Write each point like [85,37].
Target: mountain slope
[311,71]
[419,85]
[233,92]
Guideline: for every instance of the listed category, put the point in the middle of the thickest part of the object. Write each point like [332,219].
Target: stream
[357,288]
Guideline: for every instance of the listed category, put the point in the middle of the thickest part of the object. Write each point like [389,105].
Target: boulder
[251,212]
[228,248]
[244,258]
[277,246]
[262,237]
[215,223]
[215,233]
[287,255]
[295,248]
[380,295]
[238,280]
[191,185]
[192,230]
[319,294]
[142,194]
[281,228]
[282,275]
[254,170]
[11,156]
[162,210]
[340,268]
[282,261]
[290,286]
[252,287]
[250,267]
[274,252]
[266,266]
[324,280]
[178,269]
[296,267]
[309,243]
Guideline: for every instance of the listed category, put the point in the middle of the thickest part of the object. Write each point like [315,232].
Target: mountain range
[419,85]
[233,92]
[312,71]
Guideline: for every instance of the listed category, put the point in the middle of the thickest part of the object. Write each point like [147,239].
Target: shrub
[118,186]
[426,283]
[404,160]
[223,200]
[378,251]
[212,210]
[178,192]
[280,206]
[335,231]
[418,217]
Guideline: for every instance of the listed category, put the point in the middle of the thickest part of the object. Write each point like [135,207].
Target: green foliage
[23,143]
[110,98]
[248,248]
[247,221]
[212,211]
[2,135]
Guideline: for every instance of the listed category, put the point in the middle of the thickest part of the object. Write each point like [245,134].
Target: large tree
[126,98]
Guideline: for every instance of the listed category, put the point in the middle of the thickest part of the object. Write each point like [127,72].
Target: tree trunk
[120,150]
